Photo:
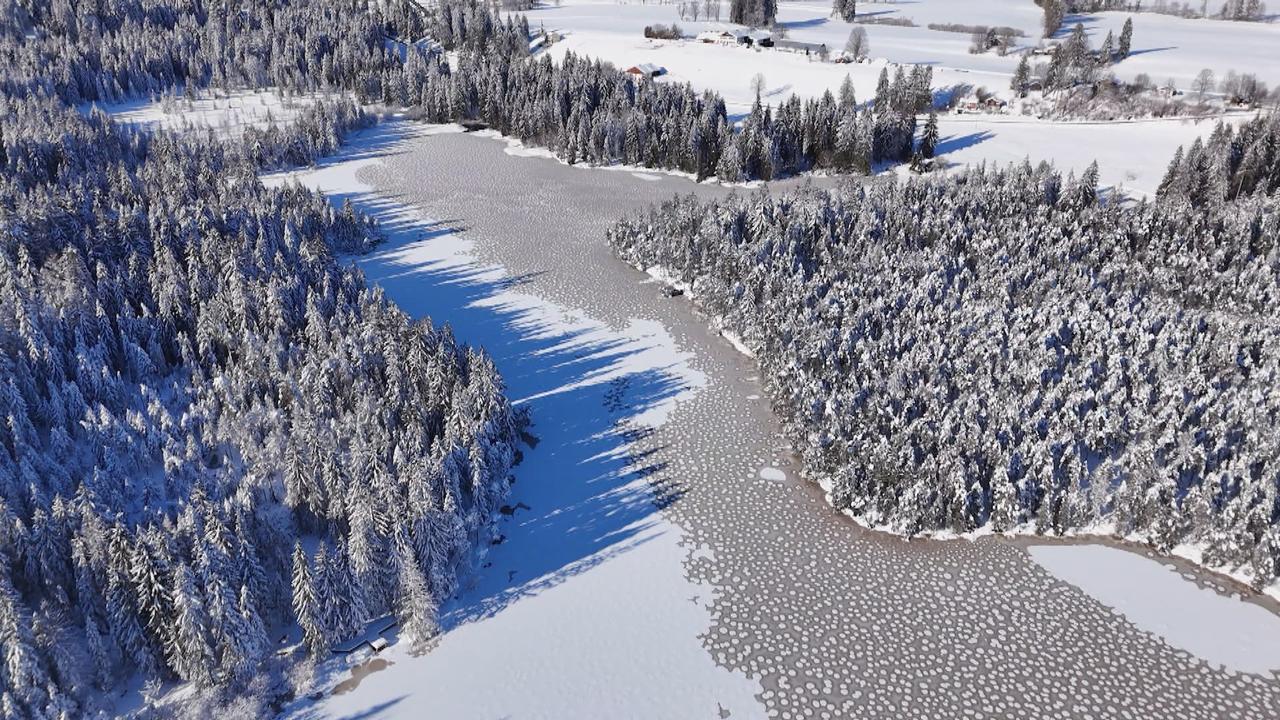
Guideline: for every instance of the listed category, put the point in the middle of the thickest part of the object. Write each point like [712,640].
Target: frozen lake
[670,563]
[1223,630]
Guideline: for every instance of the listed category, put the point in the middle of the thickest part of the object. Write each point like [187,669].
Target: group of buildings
[747,37]
[738,37]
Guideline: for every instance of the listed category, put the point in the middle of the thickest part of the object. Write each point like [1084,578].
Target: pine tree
[846,9]
[1054,13]
[23,677]
[848,102]
[882,99]
[415,607]
[189,650]
[929,139]
[1021,76]
[1106,53]
[306,605]
[1126,39]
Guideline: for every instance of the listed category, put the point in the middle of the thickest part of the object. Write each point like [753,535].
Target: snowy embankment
[585,601]
[516,148]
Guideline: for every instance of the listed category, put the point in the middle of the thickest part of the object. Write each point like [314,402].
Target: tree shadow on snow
[1146,51]
[1069,23]
[375,711]
[591,489]
[952,143]
[811,22]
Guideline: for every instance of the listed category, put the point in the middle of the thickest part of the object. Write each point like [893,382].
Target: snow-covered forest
[589,111]
[214,431]
[1000,349]
[585,110]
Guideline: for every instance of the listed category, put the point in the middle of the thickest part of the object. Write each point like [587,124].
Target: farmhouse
[731,38]
[761,38]
[807,48]
[974,104]
[646,71]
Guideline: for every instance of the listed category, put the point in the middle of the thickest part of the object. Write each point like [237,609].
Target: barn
[646,71]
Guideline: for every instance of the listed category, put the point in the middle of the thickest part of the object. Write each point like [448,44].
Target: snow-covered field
[1167,47]
[1131,155]
[1164,46]
[227,114]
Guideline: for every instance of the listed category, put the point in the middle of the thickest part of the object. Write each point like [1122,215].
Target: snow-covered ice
[617,639]
[1153,595]
[585,605]
[773,474]
[828,617]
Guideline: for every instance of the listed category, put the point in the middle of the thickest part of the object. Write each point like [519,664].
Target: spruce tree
[846,9]
[306,605]
[929,138]
[1021,76]
[1126,39]
[1106,53]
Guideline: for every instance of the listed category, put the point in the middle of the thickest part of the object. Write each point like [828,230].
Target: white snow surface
[1154,596]
[228,115]
[585,609]
[1132,156]
[1173,48]
[1164,46]
[772,474]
